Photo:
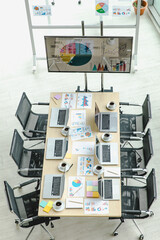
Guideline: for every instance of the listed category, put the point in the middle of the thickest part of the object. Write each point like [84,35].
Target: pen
[70,167]
[54,100]
[75,202]
[112,172]
[77,190]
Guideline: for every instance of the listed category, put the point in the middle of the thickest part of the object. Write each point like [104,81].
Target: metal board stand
[49,26]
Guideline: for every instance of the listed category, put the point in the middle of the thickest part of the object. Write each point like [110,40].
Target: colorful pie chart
[76,183]
[75,54]
[101,7]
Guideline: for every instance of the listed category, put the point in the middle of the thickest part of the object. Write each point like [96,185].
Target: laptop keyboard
[56,186]
[108,189]
[105,121]
[106,153]
[61,117]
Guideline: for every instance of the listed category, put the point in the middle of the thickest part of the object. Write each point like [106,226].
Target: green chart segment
[75,54]
[101,7]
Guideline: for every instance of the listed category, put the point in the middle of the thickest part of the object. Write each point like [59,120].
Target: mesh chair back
[151,188]
[23,110]
[16,148]
[11,199]
[146,108]
[147,147]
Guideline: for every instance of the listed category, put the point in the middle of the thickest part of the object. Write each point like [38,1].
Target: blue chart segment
[75,54]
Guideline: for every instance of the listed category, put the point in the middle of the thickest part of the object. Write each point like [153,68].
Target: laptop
[109,189]
[59,117]
[106,121]
[107,153]
[56,148]
[53,185]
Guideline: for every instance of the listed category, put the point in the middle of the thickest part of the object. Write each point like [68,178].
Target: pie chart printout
[76,183]
[75,54]
[101,7]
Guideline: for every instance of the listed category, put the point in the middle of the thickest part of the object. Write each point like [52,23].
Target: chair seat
[128,159]
[41,124]
[127,123]
[36,161]
[130,200]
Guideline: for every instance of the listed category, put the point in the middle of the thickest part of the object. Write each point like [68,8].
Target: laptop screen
[55,191]
[108,193]
[105,121]
[61,117]
[58,148]
[106,157]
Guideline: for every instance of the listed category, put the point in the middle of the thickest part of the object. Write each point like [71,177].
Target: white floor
[16,77]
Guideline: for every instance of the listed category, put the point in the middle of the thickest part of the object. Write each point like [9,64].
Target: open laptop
[56,148]
[59,117]
[109,189]
[107,153]
[106,121]
[53,185]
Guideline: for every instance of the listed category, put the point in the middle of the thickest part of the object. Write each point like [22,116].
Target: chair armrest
[134,170]
[25,183]
[28,220]
[29,169]
[41,103]
[133,212]
[129,104]
[134,177]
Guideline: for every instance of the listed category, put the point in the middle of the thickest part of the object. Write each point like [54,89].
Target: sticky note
[50,204]
[89,194]
[95,194]
[43,204]
[47,209]
[57,97]
[89,188]
[68,155]
[95,188]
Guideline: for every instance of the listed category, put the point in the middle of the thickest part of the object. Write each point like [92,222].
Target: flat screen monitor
[89,54]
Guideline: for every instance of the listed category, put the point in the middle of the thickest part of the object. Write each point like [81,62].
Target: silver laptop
[107,153]
[53,186]
[106,121]
[59,117]
[109,189]
[56,148]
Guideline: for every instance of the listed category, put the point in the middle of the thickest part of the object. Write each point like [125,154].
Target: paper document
[84,100]
[78,118]
[43,10]
[80,133]
[111,172]
[85,148]
[68,100]
[85,165]
[76,187]
[96,206]
[74,202]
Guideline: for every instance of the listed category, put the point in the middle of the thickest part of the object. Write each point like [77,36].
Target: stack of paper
[74,202]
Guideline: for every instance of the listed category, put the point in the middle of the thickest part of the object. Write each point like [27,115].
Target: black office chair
[29,161]
[26,209]
[137,200]
[134,160]
[34,124]
[132,125]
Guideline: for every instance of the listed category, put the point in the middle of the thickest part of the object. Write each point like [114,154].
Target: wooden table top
[50,166]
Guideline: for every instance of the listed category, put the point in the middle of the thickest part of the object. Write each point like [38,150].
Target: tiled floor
[16,77]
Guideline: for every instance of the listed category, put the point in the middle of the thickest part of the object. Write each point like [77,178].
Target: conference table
[51,166]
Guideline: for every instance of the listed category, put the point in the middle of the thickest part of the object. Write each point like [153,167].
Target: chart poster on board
[44,10]
[121,11]
[88,54]
[102,7]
